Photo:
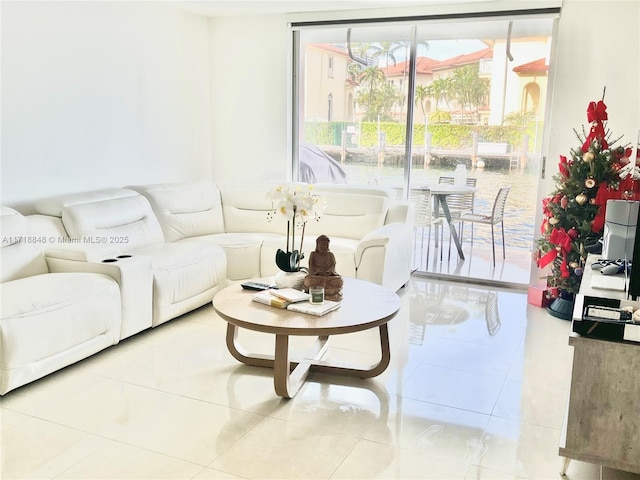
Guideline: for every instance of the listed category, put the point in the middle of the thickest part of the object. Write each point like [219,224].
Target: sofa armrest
[80,252]
[132,273]
[384,255]
[400,211]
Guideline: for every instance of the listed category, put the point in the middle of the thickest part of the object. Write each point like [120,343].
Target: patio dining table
[440,192]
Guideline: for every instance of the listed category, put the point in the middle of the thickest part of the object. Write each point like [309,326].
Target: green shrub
[443,135]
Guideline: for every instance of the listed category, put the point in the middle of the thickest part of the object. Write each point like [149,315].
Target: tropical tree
[469,89]
[385,50]
[443,88]
[423,94]
[371,80]
[362,59]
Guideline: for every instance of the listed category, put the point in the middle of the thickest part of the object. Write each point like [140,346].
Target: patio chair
[460,204]
[496,216]
[424,218]
[422,201]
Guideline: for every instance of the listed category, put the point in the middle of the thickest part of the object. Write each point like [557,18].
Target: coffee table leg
[240,354]
[287,382]
[373,371]
[289,376]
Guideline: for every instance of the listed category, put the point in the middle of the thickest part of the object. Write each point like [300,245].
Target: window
[419,95]
[531,98]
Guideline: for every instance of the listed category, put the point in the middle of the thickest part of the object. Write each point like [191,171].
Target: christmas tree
[573,215]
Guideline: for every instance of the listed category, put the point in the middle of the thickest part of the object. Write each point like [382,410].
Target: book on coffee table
[267,299]
[314,309]
[290,294]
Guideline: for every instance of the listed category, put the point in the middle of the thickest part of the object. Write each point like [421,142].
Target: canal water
[521,205]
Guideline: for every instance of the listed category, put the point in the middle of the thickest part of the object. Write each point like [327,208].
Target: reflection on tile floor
[443,261]
[476,389]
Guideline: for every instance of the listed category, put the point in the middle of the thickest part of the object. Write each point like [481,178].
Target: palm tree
[423,93]
[372,79]
[442,88]
[363,58]
[470,90]
[384,49]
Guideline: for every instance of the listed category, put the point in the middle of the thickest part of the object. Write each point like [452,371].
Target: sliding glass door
[403,104]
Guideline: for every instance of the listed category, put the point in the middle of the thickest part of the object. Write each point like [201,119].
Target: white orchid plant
[298,203]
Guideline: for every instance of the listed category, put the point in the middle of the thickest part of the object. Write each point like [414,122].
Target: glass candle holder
[316,295]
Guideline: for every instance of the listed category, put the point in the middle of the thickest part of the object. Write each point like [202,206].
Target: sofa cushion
[350,215]
[127,222]
[243,251]
[56,312]
[185,210]
[20,248]
[54,205]
[182,271]
[247,209]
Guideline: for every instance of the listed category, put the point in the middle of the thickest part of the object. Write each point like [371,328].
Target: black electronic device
[605,319]
[634,278]
[257,286]
[599,313]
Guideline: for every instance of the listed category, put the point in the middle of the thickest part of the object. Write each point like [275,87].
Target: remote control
[256,286]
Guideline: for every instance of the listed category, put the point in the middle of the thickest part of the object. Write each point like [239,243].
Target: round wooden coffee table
[365,305]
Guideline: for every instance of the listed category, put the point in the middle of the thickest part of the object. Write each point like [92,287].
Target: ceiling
[220,8]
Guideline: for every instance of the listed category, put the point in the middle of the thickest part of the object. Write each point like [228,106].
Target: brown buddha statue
[322,271]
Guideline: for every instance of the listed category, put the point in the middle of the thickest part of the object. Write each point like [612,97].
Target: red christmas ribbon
[560,238]
[596,114]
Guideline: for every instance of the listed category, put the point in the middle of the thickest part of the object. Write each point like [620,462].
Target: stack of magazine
[294,300]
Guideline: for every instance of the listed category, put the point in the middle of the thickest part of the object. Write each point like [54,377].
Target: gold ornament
[581,199]
[590,182]
[554,221]
[574,265]
[589,157]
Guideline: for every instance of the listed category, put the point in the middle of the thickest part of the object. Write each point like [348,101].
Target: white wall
[101,94]
[250,103]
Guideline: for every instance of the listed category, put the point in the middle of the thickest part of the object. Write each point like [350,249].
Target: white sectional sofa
[166,249]
[49,318]
[368,228]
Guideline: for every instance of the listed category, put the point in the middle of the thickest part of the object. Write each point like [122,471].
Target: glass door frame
[551,14]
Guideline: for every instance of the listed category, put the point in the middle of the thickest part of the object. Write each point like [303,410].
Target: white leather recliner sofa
[370,231]
[119,261]
[182,276]
[48,319]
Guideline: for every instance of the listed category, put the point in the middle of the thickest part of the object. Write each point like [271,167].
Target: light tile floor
[457,402]
[443,261]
